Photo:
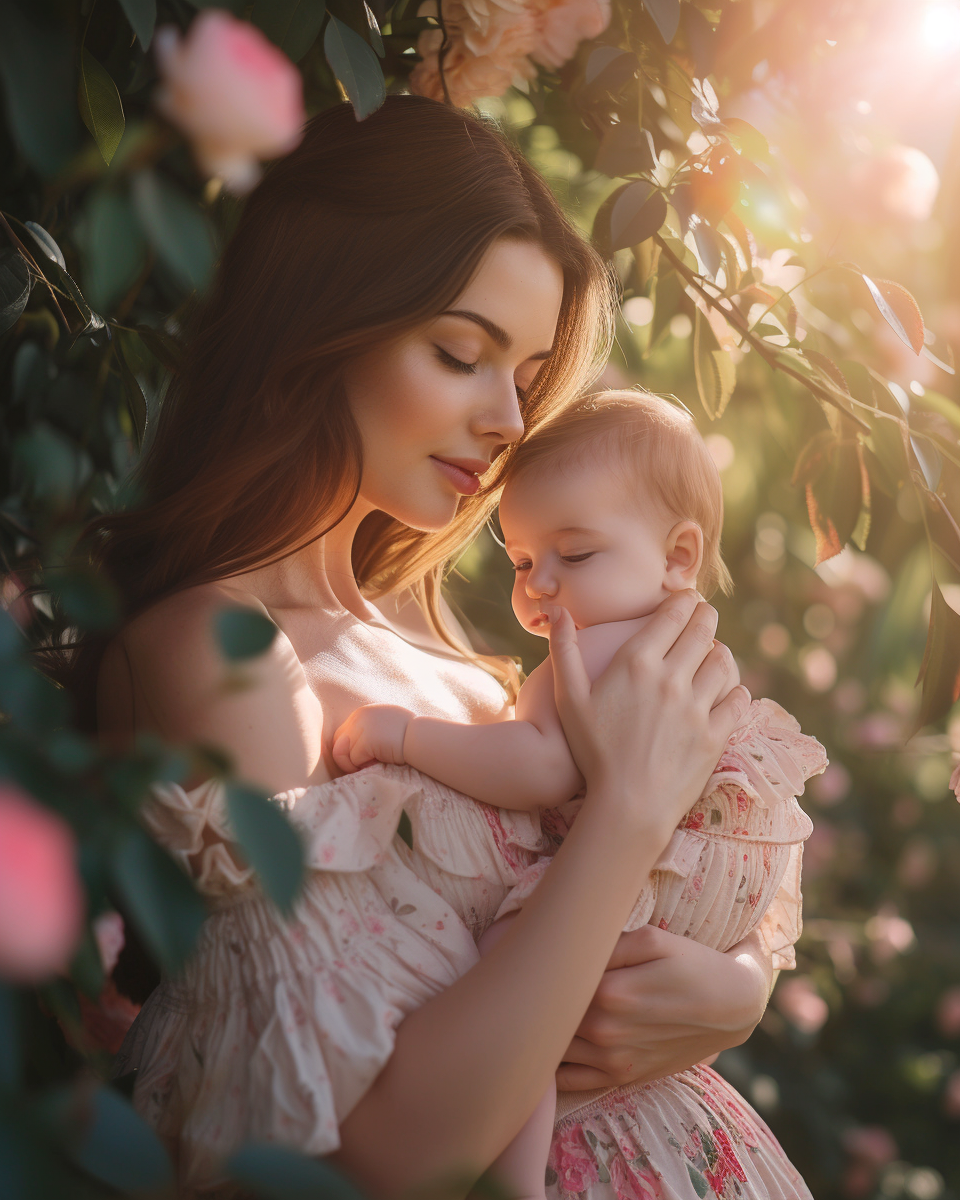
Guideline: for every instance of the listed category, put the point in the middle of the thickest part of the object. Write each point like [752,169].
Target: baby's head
[608,508]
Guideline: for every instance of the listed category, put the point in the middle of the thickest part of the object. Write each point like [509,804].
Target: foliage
[742,293]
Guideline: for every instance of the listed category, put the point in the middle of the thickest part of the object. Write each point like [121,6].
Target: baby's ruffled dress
[277,1027]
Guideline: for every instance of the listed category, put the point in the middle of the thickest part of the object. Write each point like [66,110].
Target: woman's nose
[503,421]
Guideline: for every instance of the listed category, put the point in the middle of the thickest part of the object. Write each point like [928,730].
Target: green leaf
[100,107]
[666,16]
[133,392]
[46,243]
[243,632]
[119,1148]
[114,247]
[49,466]
[15,284]
[637,213]
[88,600]
[177,229]
[899,309]
[714,370]
[159,897]
[142,15]
[373,28]
[37,69]
[940,669]
[625,149]
[164,348]
[276,1173]
[837,490]
[269,843]
[293,25]
[356,66]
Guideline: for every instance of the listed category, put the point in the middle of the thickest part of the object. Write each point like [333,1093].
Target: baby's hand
[373,733]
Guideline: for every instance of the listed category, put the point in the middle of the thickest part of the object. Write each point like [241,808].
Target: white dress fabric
[276,1028]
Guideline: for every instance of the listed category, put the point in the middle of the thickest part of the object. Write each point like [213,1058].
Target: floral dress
[732,867]
[276,1028]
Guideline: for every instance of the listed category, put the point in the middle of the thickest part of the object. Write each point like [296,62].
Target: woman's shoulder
[166,672]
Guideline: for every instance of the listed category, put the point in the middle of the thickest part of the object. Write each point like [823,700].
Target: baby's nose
[541,583]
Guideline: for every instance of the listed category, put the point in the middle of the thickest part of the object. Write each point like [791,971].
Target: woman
[401,298]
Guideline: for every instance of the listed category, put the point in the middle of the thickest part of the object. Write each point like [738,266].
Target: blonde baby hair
[660,450]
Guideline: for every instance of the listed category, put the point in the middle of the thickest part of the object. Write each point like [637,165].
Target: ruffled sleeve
[278,1025]
[346,825]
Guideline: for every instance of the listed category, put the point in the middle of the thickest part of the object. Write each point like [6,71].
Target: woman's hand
[664,1004]
[651,728]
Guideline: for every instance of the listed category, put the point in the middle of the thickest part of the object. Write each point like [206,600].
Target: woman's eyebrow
[496,332]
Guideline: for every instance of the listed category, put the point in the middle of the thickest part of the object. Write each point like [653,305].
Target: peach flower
[562,27]
[484,55]
[495,43]
[232,92]
[41,897]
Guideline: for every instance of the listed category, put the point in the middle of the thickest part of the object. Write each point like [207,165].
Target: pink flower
[41,897]
[110,938]
[955,781]
[948,1013]
[801,1004]
[232,92]
[562,27]
[871,1144]
[573,1161]
[494,43]
[951,1097]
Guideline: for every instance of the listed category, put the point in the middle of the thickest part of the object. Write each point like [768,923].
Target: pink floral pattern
[688,1137]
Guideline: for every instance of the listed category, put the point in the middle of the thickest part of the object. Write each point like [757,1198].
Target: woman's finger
[571,685]
[663,628]
[695,641]
[715,676]
[729,713]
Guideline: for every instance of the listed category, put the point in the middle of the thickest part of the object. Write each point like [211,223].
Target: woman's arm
[471,1064]
[665,1003]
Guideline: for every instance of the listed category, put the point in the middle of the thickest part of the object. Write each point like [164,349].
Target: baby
[607,509]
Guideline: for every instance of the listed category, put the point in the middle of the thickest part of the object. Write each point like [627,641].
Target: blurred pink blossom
[41,897]
[951,1097]
[877,731]
[899,183]
[801,1004]
[232,92]
[14,600]
[832,786]
[870,1148]
[948,1013]
[955,781]
[492,44]
[889,934]
[561,27]
[108,931]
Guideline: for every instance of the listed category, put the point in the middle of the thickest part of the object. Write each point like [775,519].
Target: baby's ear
[684,556]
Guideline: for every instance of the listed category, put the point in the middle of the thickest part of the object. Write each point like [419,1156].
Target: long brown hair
[364,232]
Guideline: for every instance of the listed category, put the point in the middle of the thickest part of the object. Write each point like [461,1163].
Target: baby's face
[578,539]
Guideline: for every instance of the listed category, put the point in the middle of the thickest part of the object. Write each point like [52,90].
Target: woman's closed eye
[576,558]
[455,364]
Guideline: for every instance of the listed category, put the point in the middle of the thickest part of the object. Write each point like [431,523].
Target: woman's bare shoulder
[166,672]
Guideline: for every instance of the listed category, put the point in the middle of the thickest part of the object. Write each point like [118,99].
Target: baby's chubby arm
[523,764]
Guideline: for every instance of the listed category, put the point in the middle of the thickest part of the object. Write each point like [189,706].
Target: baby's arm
[521,764]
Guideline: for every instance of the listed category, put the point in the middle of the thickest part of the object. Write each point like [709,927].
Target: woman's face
[435,406]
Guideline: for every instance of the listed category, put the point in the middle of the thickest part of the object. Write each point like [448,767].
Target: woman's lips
[465,480]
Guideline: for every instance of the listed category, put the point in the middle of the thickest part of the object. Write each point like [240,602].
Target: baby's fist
[373,733]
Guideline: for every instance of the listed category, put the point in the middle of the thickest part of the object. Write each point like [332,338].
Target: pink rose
[562,27]
[573,1160]
[232,92]
[801,1004]
[630,1185]
[41,897]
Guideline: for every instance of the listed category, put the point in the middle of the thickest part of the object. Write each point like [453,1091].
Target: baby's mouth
[539,621]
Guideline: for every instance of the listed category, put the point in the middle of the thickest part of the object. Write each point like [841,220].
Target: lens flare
[940,27]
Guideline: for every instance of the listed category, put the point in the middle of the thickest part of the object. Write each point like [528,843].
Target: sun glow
[940,27]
